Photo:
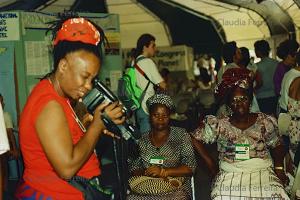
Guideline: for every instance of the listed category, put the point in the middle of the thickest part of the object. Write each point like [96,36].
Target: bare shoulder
[52,117]
[52,109]
[294,91]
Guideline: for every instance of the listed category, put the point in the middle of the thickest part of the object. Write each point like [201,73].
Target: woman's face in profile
[160,117]
[291,59]
[79,68]
[240,102]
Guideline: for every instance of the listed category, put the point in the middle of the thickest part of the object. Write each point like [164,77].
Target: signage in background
[114,41]
[9,26]
[174,58]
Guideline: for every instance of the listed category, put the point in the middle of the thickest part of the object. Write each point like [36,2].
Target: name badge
[157,160]
[242,151]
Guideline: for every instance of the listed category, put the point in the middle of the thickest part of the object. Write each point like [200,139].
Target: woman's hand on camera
[115,113]
[97,119]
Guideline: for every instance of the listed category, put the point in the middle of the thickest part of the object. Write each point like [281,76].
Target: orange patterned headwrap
[232,77]
[78,29]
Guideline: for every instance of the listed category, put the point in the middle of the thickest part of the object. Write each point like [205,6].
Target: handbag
[91,188]
[146,185]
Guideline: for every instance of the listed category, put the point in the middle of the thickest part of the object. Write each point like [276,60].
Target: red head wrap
[240,77]
[78,29]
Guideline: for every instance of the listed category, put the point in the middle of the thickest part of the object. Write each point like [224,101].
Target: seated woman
[164,152]
[245,141]
[290,95]
[230,75]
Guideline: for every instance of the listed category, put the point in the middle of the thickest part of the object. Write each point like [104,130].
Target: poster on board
[9,26]
[37,58]
[174,58]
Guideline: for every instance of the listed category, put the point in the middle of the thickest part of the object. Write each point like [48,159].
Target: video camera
[100,94]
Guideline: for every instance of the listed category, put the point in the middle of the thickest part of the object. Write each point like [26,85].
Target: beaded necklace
[74,115]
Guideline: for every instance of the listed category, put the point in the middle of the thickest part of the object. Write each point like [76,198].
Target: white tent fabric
[136,20]
[56,6]
[292,9]
[240,24]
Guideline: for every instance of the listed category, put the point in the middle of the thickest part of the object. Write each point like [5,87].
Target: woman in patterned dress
[294,129]
[245,142]
[294,112]
[169,145]
[290,122]
[293,107]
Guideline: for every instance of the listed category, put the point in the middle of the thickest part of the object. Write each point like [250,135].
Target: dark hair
[286,48]
[298,58]
[228,51]
[65,47]
[132,52]
[1,97]
[164,72]
[263,47]
[245,56]
[62,48]
[204,75]
[144,40]
[154,106]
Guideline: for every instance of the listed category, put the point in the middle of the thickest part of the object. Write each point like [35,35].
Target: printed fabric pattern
[263,134]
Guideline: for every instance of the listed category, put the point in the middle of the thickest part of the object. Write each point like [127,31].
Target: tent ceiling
[234,20]
[270,10]
[191,22]
[194,29]
[135,19]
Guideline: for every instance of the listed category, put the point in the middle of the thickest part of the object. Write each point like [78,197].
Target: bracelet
[279,168]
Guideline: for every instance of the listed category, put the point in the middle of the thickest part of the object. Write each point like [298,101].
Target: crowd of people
[255,160]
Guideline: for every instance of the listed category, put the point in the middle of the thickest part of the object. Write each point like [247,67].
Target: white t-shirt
[285,86]
[4,145]
[150,69]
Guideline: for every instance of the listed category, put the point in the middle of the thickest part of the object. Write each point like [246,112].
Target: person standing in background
[287,80]
[232,57]
[4,147]
[289,102]
[145,50]
[265,93]
[287,52]
[13,152]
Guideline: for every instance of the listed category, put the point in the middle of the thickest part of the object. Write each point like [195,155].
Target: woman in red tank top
[55,145]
